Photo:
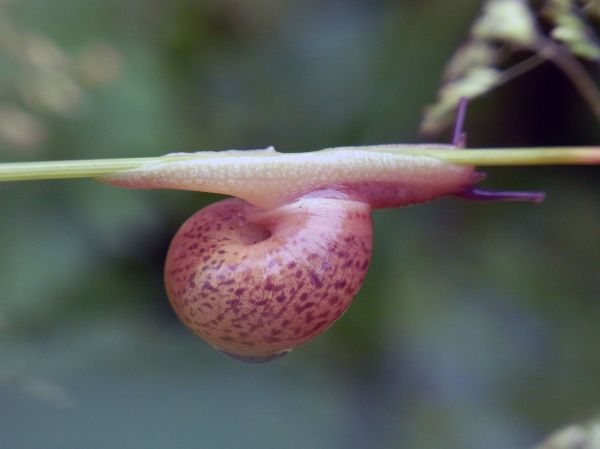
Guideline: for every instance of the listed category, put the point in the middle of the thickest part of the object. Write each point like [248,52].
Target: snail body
[261,273]
[381,175]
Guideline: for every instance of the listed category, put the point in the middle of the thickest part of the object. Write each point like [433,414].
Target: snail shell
[256,284]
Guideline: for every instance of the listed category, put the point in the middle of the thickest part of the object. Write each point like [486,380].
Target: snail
[261,273]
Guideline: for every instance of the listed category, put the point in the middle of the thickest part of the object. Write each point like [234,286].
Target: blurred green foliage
[477,326]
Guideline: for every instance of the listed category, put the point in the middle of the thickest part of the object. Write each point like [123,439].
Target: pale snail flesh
[266,271]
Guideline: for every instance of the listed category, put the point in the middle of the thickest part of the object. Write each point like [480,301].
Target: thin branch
[30,171]
[93,168]
[523,67]
[520,156]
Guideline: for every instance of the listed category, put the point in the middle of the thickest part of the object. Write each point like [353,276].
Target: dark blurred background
[477,326]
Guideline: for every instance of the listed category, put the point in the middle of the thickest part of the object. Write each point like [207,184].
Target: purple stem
[460,137]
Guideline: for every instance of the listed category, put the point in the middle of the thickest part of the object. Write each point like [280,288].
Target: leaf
[508,21]
[574,437]
[476,82]
[571,30]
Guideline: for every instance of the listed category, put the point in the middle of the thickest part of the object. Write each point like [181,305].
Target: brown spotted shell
[255,283]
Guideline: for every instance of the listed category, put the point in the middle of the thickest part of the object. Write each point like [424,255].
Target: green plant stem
[94,168]
[521,156]
[30,171]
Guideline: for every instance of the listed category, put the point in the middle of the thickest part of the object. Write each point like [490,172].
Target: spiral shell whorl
[255,284]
